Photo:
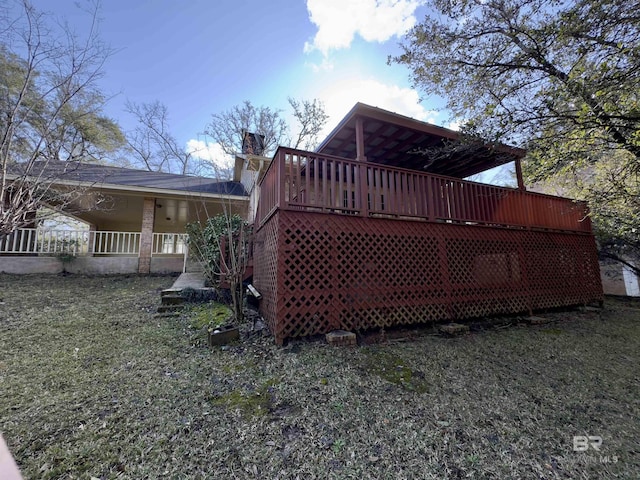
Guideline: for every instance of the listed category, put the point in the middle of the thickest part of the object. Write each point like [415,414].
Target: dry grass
[94,386]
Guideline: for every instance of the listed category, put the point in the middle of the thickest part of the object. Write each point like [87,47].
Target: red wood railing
[298,180]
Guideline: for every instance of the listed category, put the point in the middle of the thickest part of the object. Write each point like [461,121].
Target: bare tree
[153,144]
[50,111]
[227,128]
[311,119]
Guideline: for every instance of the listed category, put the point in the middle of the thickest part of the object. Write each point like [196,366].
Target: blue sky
[200,57]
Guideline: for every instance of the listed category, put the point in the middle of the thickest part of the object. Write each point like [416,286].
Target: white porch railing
[169,244]
[33,241]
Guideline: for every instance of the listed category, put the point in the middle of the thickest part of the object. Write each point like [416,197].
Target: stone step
[454,329]
[341,338]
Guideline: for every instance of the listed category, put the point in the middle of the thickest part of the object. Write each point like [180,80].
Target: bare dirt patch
[94,386]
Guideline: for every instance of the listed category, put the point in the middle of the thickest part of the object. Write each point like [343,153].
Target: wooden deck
[304,181]
[348,245]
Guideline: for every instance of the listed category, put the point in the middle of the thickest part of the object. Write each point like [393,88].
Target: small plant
[223,247]
[209,316]
[205,318]
[338,445]
[66,258]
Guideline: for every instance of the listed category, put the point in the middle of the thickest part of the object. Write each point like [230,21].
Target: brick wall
[146,236]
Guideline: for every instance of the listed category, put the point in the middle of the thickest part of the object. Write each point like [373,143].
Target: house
[378,227]
[135,220]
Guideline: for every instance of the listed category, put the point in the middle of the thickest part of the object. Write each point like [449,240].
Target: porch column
[146,235]
[519,174]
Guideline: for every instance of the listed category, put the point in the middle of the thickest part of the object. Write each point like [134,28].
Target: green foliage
[209,316]
[394,369]
[205,241]
[561,79]
[221,246]
[612,188]
[520,70]
[253,403]
[204,318]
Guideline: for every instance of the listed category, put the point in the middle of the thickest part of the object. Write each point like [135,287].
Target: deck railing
[298,180]
[32,241]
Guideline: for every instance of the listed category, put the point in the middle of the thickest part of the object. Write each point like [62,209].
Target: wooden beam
[519,174]
[360,154]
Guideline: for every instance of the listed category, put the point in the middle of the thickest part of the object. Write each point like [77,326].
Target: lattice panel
[265,271]
[338,271]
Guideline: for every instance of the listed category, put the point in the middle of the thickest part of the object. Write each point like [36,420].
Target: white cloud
[211,152]
[455,125]
[205,150]
[340,97]
[338,21]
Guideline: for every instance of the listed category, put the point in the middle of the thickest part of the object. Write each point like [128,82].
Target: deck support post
[281,179]
[363,170]
[518,163]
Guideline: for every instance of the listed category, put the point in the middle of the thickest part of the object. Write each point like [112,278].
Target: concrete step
[169,308]
[172,299]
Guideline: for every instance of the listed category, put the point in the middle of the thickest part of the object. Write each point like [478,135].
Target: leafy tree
[50,111]
[226,128]
[559,78]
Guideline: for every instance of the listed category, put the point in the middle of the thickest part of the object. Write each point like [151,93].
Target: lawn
[94,386]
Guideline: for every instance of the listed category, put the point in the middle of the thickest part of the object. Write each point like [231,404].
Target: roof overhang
[395,140]
[136,190]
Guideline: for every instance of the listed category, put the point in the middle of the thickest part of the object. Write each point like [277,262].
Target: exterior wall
[615,281]
[248,177]
[87,265]
[321,272]
[102,265]
[28,265]
[167,264]
[254,197]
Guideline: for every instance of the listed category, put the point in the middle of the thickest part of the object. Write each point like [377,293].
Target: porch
[39,250]
[350,244]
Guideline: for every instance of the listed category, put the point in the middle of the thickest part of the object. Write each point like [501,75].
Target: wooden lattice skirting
[321,272]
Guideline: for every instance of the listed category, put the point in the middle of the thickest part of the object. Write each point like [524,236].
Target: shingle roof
[108,174]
